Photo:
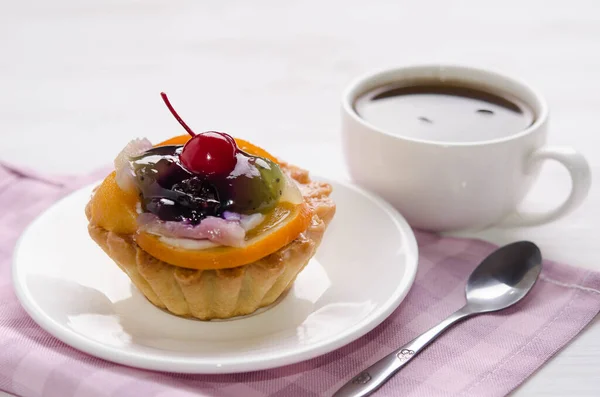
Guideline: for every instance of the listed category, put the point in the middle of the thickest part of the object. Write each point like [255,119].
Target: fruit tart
[206,225]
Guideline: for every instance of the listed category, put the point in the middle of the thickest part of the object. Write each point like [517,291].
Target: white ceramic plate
[363,270]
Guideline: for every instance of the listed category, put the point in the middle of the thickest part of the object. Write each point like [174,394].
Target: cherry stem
[174,113]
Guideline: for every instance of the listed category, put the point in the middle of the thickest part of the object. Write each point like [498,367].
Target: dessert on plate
[208,226]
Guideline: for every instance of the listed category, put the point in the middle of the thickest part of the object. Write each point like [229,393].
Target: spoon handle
[377,374]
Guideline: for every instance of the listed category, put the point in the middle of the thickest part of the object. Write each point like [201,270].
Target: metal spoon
[500,281]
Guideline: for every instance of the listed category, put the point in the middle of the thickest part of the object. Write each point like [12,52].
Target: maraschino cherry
[209,153]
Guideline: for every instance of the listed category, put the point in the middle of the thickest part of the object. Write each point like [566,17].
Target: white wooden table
[80,78]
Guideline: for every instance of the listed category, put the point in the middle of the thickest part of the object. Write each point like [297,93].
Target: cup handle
[581,180]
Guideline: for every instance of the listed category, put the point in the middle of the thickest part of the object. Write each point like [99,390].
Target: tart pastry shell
[222,293]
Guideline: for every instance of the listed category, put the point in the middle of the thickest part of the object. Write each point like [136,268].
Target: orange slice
[281,227]
[242,144]
[176,140]
[112,208]
[254,150]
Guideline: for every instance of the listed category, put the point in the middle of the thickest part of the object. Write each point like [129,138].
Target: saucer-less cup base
[445,186]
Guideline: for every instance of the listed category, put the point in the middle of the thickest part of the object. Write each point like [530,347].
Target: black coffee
[443,112]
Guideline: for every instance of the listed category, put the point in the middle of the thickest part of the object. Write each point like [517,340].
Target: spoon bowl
[504,277]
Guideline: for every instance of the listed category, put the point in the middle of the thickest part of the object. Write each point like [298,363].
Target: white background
[78,79]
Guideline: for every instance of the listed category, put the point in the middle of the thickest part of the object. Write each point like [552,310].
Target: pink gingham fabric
[488,355]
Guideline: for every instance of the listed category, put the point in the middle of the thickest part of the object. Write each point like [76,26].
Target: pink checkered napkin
[484,356]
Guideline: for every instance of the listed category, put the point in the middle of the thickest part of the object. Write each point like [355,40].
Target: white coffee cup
[445,186]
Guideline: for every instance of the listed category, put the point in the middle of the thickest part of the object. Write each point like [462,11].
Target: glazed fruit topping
[209,153]
[206,177]
[169,191]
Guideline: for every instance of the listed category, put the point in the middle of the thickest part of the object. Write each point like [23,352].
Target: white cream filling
[251,221]
[188,243]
